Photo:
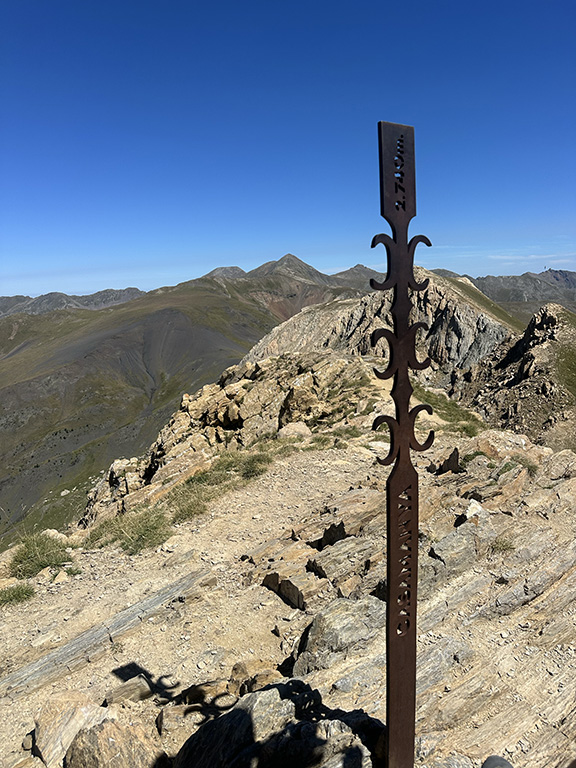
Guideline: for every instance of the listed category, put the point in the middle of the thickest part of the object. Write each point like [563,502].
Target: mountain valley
[82,386]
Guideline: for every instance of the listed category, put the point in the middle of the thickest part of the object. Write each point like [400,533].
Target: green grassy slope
[79,388]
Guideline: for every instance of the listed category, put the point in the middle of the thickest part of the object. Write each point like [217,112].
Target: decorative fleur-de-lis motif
[402,345]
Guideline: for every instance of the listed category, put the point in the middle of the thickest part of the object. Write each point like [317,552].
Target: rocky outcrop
[344,628]
[529,385]
[298,373]
[461,331]
[111,745]
[274,728]
[58,722]
[250,402]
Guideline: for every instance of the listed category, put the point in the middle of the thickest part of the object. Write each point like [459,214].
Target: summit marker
[398,207]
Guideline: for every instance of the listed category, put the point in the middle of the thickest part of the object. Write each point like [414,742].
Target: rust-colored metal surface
[398,207]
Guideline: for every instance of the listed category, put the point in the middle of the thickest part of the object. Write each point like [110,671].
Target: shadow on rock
[158,686]
[285,725]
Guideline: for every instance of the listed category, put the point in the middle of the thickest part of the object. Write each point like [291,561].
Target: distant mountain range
[84,380]
[48,302]
[522,295]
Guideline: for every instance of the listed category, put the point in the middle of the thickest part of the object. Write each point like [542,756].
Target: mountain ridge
[79,384]
[49,302]
[82,386]
[523,295]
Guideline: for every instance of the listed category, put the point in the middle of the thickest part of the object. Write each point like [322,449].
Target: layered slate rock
[338,553]
[344,627]
[463,326]
[346,516]
[58,722]
[111,745]
[286,573]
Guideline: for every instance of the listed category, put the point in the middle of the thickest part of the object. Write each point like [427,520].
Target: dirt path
[187,642]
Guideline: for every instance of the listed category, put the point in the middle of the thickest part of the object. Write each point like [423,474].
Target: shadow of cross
[284,725]
[158,686]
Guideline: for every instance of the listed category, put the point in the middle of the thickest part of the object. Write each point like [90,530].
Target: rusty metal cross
[398,207]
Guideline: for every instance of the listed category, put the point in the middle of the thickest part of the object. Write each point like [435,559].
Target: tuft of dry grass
[17,593]
[36,552]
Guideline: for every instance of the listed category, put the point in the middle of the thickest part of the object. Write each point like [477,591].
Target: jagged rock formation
[461,332]
[529,385]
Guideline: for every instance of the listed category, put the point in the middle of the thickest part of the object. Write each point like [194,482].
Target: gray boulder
[345,626]
[269,728]
[110,745]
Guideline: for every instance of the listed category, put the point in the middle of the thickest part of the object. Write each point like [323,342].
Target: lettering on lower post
[405,538]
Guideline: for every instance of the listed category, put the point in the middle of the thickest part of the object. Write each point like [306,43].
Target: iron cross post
[398,207]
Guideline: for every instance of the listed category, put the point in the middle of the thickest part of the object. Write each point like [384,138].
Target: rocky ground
[497,656]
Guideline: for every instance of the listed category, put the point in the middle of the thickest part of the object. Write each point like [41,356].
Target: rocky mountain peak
[562,277]
[544,324]
[229,273]
[293,267]
[529,384]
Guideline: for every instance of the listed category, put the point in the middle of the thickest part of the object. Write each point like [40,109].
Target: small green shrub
[134,531]
[36,552]
[185,504]
[228,471]
[369,407]
[506,468]
[17,593]
[320,441]
[286,449]
[470,428]
[459,418]
[469,457]
[530,466]
[255,465]
[348,431]
[501,545]
[566,367]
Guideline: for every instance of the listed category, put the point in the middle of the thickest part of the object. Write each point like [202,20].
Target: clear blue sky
[145,142]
